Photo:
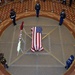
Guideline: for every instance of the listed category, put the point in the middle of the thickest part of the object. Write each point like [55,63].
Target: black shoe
[60,24]
[65,67]
[6,66]
[37,16]
[15,24]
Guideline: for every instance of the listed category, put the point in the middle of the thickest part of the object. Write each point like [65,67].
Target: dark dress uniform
[44,0]
[64,2]
[37,8]
[13,16]
[69,61]
[1,56]
[70,3]
[4,62]
[62,17]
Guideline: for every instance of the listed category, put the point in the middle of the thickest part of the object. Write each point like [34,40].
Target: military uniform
[62,17]
[13,16]
[37,8]
[69,61]
[4,62]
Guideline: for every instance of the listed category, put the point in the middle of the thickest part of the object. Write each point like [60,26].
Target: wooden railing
[3,71]
[47,8]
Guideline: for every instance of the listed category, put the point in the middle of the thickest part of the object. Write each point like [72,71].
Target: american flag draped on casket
[36,39]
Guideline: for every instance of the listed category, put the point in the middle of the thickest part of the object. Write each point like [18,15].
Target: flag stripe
[32,38]
[40,41]
[36,39]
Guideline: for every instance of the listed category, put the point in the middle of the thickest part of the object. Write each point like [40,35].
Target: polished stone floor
[58,44]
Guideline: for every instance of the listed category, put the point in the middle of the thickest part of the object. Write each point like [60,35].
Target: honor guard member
[69,61]
[70,3]
[37,8]
[3,60]
[13,16]
[4,63]
[64,2]
[62,17]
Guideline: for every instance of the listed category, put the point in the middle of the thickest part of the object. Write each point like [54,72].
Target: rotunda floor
[58,44]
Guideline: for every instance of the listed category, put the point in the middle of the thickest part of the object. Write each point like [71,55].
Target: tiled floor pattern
[57,41]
